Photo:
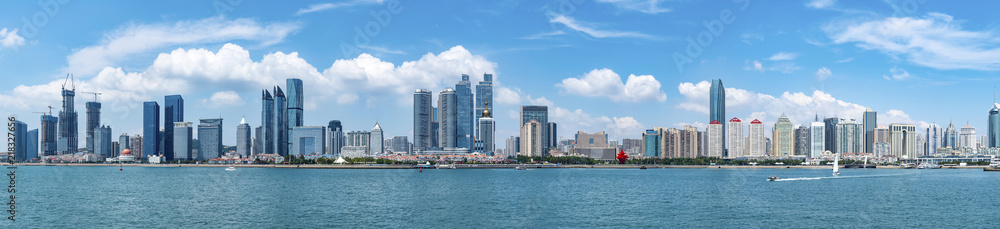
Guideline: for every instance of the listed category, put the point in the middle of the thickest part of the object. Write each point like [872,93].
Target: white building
[756,140]
[735,132]
[376,140]
[967,137]
[532,136]
[714,132]
[902,140]
[934,137]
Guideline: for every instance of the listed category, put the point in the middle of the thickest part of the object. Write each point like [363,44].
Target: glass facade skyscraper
[306,140]
[209,139]
[717,105]
[183,137]
[336,137]
[150,129]
[466,120]
[869,123]
[267,123]
[377,141]
[68,134]
[102,142]
[295,100]
[48,135]
[651,143]
[20,140]
[281,122]
[448,105]
[484,95]
[993,133]
[243,143]
[540,113]
[93,120]
[173,111]
[423,112]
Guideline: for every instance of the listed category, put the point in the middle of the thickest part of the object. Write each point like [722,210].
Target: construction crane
[92,93]
[50,110]
[42,112]
[69,79]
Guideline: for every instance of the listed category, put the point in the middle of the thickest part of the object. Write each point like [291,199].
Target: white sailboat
[836,167]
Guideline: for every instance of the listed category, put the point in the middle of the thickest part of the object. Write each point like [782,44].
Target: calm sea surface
[101,197]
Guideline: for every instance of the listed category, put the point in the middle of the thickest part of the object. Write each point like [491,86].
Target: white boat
[520,168]
[231,168]
[836,167]
[927,165]
[451,166]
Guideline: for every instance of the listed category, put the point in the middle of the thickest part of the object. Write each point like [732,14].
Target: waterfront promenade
[470,166]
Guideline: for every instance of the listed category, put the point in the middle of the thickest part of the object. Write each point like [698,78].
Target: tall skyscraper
[20,141]
[533,138]
[448,106]
[49,134]
[136,144]
[281,122]
[951,136]
[817,139]
[209,139]
[377,140]
[150,129]
[32,146]
[336,136]
[68,135]
[540,113]
[717,105]
[552,133]
[267,123]
[173,111]
[935,137]
[993,131]
[756,139]
[123,143]
[484,96]
[423,116]
[783,138]
[831,133]
[903,142]
[651,143]
[967,137]
[400,145]
[486,131]
[308,140]
[513,146]
[356,144]
[295,101]
[102,142]
[466,122]
[849,137]
[869,123]
[258,145]
[735,132]
[243,138]
[93,120]
[183,137]
[714,132]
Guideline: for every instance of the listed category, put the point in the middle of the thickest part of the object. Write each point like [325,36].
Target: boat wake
[834,177]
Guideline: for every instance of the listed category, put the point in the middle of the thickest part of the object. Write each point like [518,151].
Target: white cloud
[544,35]
[223,99]
[593,32]
[820,4]
[800,107]
[823,73]
[607,83]
[780,66]
[783,56]
[699,125]
[10,39]
[849,59]
[347,98]
[507,96]
[897,74]
[327,6]
[126,42]
[750,38]
[935,40]
[645,6]
[380,49]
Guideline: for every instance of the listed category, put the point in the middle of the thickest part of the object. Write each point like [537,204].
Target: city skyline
[828,72]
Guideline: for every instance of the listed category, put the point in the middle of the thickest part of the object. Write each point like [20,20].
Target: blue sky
[601,65]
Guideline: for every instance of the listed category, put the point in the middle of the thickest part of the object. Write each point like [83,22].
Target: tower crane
[92,93]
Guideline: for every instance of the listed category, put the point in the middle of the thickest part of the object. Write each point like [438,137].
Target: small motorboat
[231,168]
[520,168]
[773,178]
[642,167]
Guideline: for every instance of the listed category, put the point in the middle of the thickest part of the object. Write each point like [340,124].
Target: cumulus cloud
[800,107]
[223,99]
[124,43]
[10,39]
[935,40]
[645,6]
[606,83]
[823,73]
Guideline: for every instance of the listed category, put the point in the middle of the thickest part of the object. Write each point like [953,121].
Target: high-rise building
[756,139]
[335,136]
[295,101]
[448,106]
[993,131]
[717,105]
[150,130]
[68,135]
[136,145]
[400,145]
[951,136]
[466,119]
[903,142]
[486,131]
[540,113]
[102,142]
[869,123]
[243,143]
[967,137]
[308,140]
[714,141]
[48,135]
[209,139]
[377,140]
[93,120]
[817,139]
[281,122]
[423,116]
[123,143]
[32,146]
[513,146]
[173,112]
[735,132]
[183,134]
[484,96]
[935,138]
[849,137]
[20,141]
[783,138]
[802,141]
[831,133]
[651,143]
[267,123]
[533,138]
[356,144]
[258,135]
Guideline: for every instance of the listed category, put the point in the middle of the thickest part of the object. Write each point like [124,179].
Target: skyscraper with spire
[993,133]
[377,140]
[486,130]
[267,122]
[466,119]
[281,122]
[484,95]
[243,138]
[68,135]
[717,105]
[295,101]
[173,111]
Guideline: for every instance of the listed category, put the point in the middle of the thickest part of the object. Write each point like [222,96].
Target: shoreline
[475,166]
